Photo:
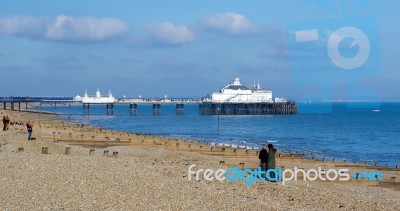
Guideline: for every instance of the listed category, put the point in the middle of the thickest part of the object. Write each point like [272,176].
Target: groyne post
[105,153]
[67,150]
[91,151]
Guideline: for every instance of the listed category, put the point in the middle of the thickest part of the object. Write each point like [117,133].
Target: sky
[301,49]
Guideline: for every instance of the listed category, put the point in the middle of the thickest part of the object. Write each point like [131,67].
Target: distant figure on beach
[4,123]
[263,156]
[271,159]
[7,122]
[29,126]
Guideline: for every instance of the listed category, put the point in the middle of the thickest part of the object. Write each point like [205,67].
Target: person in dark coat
[263,156]
[271,159]
[29,127]
[4,123]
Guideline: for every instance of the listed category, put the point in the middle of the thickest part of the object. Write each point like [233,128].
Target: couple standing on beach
[267,159]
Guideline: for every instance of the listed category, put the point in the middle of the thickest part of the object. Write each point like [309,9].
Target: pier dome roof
[236,85]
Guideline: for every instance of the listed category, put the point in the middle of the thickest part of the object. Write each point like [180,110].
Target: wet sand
[146,173]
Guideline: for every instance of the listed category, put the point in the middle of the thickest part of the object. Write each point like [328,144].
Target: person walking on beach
[29,126]
[7,121]
[4,123]
[271,160]
[263,156]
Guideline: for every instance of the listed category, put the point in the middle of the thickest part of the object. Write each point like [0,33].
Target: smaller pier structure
[237,99]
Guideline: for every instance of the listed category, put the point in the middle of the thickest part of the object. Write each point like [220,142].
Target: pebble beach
[149,173]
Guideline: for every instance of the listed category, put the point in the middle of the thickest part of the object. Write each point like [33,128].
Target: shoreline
[307,153]
[284,153]
[57,135]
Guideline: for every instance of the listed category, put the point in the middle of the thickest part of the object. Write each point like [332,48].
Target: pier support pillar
[180,109]
[12,106]
[86,108]
[110,109]
[4,106]
[133,109]
[156,109]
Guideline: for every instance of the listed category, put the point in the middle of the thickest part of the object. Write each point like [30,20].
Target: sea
[354,132]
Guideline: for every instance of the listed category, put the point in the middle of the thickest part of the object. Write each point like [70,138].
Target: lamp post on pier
[218,110]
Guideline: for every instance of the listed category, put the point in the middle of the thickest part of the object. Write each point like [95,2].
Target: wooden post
[45,150]
[92,152]
[67,150]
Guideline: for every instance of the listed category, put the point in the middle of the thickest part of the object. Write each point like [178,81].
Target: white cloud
[231,23]
[168,33]
[22,26]
[63,28]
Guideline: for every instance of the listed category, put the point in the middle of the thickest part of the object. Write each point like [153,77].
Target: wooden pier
[273,108]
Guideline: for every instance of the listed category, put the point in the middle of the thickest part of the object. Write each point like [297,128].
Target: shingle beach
[149,173]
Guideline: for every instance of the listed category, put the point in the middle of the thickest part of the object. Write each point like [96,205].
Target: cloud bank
[168,33]
[63,28]
[230,23]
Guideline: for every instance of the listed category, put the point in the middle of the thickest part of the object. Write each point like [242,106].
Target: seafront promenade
[70,166]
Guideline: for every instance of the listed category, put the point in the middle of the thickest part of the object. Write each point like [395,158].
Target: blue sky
[191,48]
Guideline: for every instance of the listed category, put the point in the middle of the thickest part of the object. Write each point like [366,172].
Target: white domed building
[237,99]
[236,92]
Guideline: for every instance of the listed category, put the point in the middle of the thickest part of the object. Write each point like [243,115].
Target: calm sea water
[350,131]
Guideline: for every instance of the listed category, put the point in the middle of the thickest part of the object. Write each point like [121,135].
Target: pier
[274,108]
[23,103]
[205,107]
